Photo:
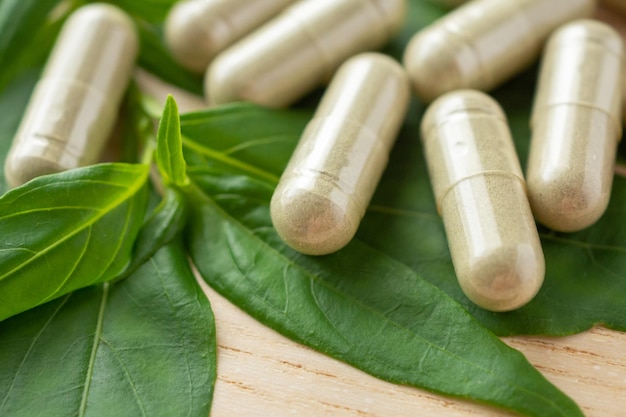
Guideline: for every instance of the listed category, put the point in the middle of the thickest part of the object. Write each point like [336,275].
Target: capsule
[197,30]
[74,106]
[480,192]
[484,43]
[300,49]
[576,126]
[333,172]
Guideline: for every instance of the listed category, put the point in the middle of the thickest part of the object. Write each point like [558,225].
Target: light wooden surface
[262,374]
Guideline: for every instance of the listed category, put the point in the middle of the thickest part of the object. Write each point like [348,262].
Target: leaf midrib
[94,350]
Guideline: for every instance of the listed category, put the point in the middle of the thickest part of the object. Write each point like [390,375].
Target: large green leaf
[66,231]
[359,305]
[144,346]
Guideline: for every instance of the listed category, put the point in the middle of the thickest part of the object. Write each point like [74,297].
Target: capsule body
[480,193]
[484,42]
[576,126]
[333,172]
[197,30]
[300,49]
[73,108]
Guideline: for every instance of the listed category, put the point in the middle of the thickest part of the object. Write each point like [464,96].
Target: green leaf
[169,152]
[165,223]
[144,346]
[358,305]
[66,231]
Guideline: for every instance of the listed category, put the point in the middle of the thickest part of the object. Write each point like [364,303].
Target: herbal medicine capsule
[74,106]
[576,126]
[479,188]
[332,174]
[197,30]
[484,42]
[300,49]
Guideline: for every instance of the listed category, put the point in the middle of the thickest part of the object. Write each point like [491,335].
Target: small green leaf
[144,346]
[165,223]
[169,152]
[66,231]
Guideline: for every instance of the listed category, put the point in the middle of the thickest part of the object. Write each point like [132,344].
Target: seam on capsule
[314,40]
[614,120]
[478,174]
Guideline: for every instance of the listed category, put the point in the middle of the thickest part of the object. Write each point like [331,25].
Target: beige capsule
[484,43]
[197,30]
[74,106]
[576,126]
[300,49]
[479,188]
[332,174]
